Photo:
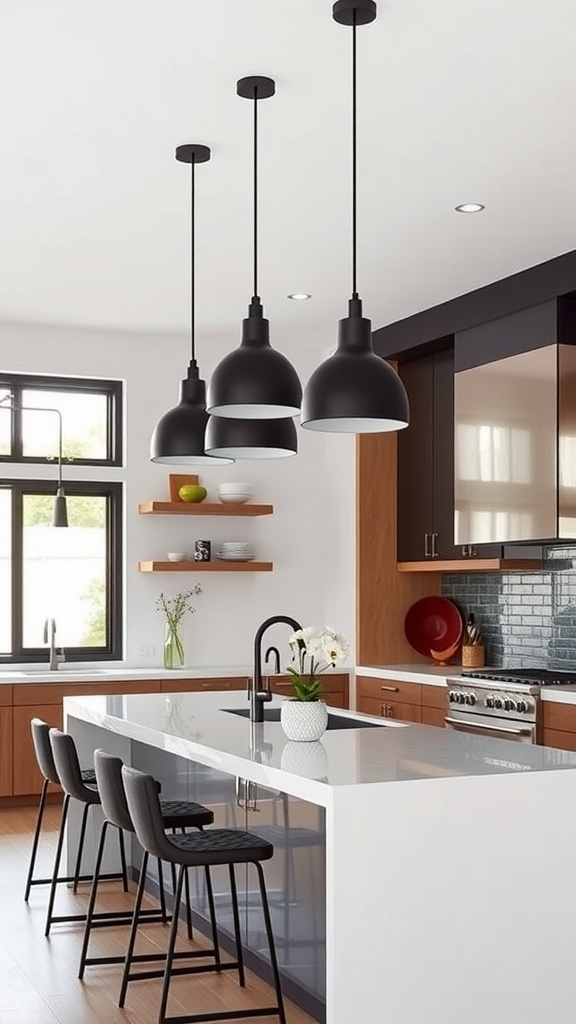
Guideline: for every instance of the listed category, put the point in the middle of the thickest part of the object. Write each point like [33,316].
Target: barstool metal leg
[57,858]
[80,847]
[271,945]
[123,860]
[133,931]
[171,946]
[188,909]
[92,903]
[162,892]
[237,935]
[210,894]
[34,850]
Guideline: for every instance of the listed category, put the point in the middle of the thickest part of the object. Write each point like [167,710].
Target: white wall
[310,538]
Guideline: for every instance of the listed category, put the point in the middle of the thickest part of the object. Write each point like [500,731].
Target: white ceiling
[458,100]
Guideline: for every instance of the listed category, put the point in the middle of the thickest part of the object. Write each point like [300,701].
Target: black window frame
[112,391]
[114,492]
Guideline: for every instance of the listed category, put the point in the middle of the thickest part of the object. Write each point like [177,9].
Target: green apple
[192,492]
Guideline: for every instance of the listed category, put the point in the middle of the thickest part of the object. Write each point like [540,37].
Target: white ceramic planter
[304,720]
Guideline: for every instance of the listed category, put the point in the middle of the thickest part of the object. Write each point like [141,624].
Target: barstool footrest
[229,965]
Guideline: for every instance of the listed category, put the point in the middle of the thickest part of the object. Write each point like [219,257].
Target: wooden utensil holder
[473,656]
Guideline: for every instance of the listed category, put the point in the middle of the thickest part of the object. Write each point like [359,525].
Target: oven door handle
[488,728]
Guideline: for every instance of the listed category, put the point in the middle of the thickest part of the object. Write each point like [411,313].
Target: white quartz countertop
[92,674]
[196,726]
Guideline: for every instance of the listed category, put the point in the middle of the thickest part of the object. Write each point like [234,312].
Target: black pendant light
[255,381]
[354,391]
[251,439]
[179,438]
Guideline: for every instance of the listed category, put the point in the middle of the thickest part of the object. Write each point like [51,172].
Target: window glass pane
[64,571]
[5,423]
[5,570]
[84,425]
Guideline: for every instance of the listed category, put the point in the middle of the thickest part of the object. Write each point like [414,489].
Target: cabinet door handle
[426,545]
[434,547]
[240,792]
[385,710]
[252,801]
[391,689]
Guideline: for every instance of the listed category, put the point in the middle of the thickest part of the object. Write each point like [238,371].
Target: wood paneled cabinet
[426,465]
[559,725]
[6,757]
[200,685]
[395,698]
[44,700]
[334,688]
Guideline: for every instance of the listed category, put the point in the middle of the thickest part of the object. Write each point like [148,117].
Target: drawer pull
[391,689]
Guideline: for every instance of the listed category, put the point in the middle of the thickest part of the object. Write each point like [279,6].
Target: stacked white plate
[235,551]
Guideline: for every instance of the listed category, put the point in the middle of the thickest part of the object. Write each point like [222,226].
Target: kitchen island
[426,864]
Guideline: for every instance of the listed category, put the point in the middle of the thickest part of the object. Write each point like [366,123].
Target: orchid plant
[313,652]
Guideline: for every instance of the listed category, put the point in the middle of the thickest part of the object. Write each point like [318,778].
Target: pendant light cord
[193,261]
[354,127]
[255,192]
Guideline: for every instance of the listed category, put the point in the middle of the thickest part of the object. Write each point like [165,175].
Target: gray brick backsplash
[527,619]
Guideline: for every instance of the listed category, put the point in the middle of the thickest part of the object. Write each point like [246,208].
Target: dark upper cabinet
[426,465]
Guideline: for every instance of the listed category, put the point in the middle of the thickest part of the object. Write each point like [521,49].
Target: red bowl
[433,624]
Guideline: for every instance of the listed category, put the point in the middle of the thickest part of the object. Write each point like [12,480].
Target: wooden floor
[39,977]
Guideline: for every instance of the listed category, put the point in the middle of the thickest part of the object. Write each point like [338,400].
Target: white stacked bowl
[236,549]
[235,492]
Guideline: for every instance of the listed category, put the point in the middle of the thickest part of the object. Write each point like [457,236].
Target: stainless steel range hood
[515,427]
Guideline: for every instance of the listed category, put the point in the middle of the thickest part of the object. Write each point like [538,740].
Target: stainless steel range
[504,703]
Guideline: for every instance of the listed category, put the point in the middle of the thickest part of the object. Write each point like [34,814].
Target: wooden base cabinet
[44,700]
[6,766]
[408,702]
[559,725]
[334,688]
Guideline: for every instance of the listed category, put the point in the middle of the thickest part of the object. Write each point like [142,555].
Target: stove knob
[509,705]
[490,700]
[472,699]
[521,707]
[498,702]
[463,698]
[452,696]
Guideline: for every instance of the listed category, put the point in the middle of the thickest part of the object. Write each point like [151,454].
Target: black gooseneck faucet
[258,696]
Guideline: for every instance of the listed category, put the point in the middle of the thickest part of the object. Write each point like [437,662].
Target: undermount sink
[334,721]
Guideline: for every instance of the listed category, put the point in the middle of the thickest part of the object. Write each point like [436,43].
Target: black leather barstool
[69,774]
[41,740]
[215,846]
[176,814]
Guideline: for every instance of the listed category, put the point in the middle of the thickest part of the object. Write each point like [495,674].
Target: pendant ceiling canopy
[179,437]
[255,381]
[354,390]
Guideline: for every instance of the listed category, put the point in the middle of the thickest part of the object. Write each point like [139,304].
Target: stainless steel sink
[334,721]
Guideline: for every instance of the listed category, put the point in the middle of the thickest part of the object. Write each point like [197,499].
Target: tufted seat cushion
[220,846]
[185,814]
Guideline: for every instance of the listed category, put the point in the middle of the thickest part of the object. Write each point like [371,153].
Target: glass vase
[173,649]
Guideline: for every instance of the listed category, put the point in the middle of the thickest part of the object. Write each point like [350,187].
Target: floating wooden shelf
[228,566]
[473,565]
[202,508]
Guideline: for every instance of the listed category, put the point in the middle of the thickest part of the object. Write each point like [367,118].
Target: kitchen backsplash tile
[528,619]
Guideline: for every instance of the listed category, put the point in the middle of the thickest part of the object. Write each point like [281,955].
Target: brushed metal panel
[505,464]
[567,442]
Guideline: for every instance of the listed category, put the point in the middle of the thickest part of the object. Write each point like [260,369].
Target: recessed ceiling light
[469,208]
[300,296]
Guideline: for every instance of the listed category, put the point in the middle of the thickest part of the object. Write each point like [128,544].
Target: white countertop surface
[93,674]
[196,726]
